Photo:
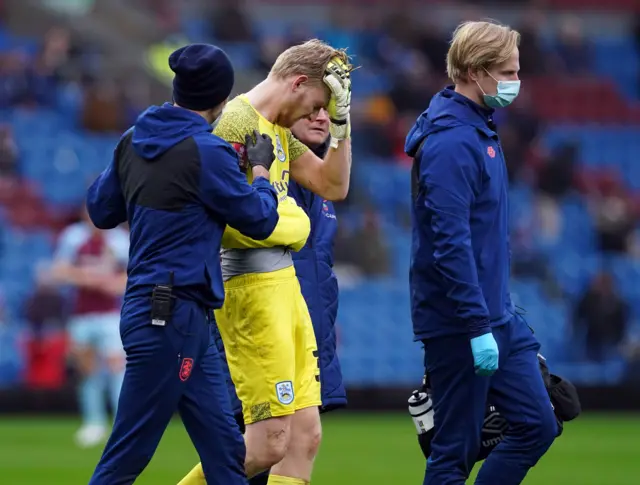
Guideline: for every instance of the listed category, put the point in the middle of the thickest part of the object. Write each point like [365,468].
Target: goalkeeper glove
[338,79]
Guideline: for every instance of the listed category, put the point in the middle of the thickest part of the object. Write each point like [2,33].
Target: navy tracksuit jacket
[459,280]
[178,186]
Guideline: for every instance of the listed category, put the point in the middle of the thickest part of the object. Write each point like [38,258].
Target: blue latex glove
[485,354]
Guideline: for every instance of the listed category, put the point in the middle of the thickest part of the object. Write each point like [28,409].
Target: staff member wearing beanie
[178,186]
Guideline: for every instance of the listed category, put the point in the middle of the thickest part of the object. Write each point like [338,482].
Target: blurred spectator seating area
[572,142]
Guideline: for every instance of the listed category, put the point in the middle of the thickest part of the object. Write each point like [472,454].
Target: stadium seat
[617,59]
[615,146]
[11,356]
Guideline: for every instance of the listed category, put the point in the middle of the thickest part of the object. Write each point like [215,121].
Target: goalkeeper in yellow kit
[264,323]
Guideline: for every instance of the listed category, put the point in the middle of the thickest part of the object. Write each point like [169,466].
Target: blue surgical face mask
[507,91]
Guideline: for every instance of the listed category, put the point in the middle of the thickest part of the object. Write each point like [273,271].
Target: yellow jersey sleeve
[296,147]
[291,232]
[237,120]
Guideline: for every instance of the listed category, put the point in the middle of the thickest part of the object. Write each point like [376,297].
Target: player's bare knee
[115,363]
[269,441]
[277,445]
[85,359]
[312,441]
[275,448]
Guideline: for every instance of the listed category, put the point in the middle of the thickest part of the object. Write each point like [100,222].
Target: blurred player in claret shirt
[94,263]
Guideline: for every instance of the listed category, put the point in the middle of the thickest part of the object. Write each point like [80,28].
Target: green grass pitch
[358,449]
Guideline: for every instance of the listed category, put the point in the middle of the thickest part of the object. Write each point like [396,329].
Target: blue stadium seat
[5,39]
[9,41]
[65,163]
[11,357]
[388,184]
[626,272]
[27,123]
[272,27]
[398,240]
[244,54]
[574,271]
[577,229]
[370,82]
[23,251]
[590,373]
[69,104]
[616,58]
[612,57]
[600,146]
[375,334]
[339,38]
[197,29]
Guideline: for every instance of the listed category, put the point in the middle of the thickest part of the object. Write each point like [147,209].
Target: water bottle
[421,411]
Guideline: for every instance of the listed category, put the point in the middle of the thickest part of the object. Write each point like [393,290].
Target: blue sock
[115,384]
[92,403]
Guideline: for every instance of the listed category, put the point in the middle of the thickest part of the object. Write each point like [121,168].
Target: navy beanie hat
[203,76]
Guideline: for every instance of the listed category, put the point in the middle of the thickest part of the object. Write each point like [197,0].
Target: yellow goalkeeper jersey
[238,119]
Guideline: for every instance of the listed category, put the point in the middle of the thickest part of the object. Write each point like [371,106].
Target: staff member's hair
[479,45]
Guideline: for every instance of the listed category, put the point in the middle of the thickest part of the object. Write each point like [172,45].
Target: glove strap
[340,130]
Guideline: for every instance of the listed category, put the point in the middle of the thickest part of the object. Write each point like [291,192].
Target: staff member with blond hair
[476,347]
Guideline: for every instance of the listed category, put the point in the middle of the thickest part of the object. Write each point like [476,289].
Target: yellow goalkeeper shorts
[270,344]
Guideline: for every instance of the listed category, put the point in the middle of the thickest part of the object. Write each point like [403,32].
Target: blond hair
[478,45]
[308,59]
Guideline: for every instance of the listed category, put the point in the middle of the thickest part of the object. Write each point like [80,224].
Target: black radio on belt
[162,303]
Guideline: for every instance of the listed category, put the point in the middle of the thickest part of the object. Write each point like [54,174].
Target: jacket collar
[470,112]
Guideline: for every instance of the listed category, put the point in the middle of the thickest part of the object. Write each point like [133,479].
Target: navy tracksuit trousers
[176,367]
[460,396]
